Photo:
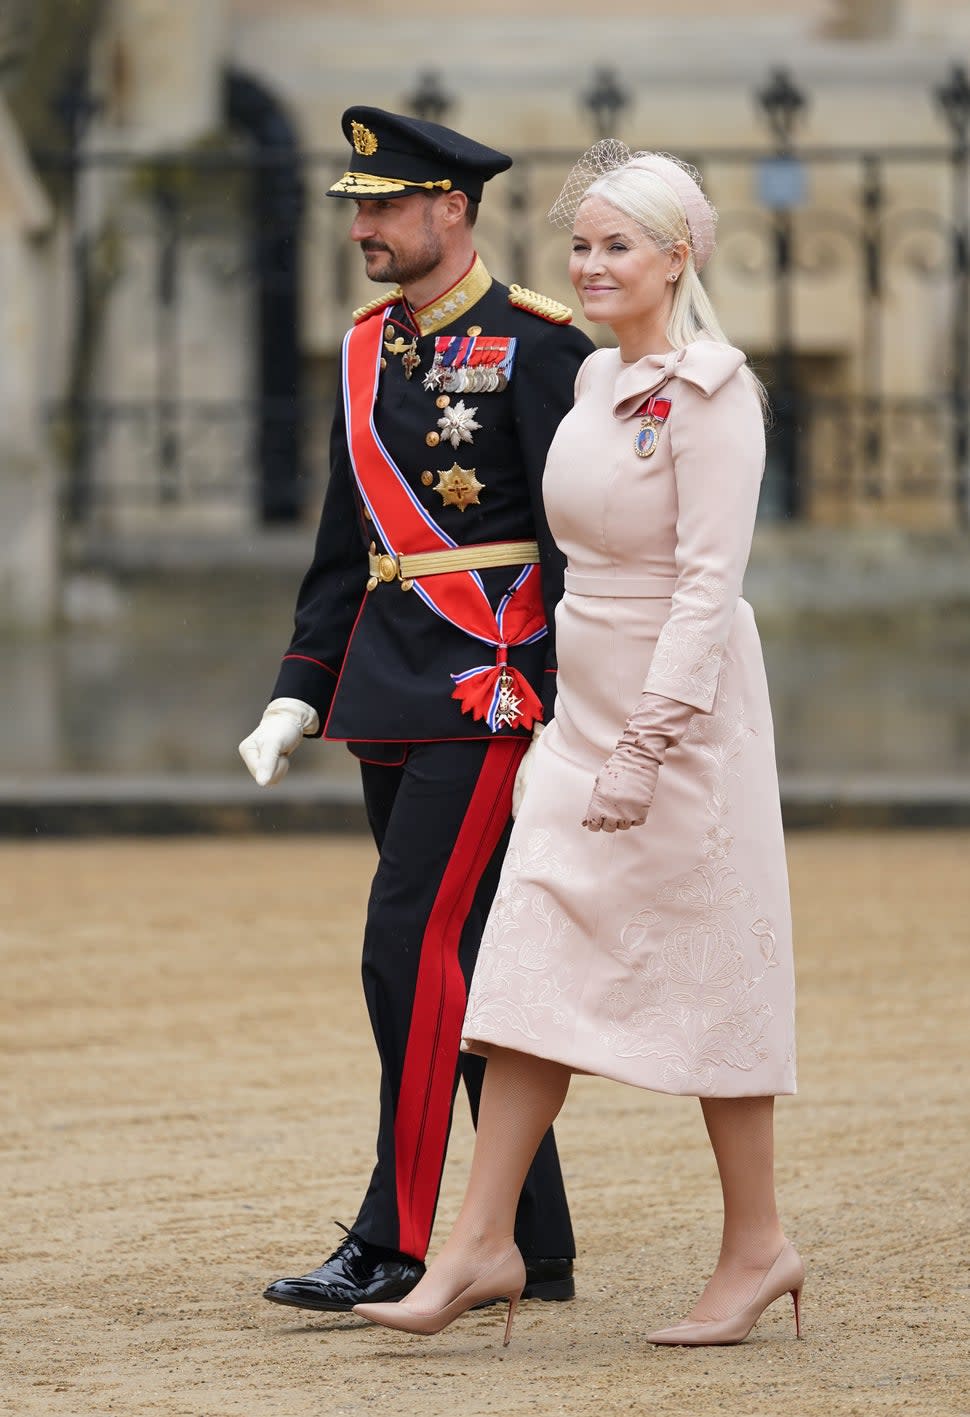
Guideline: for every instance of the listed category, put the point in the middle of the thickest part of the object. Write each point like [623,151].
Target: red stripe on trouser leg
[428,1074]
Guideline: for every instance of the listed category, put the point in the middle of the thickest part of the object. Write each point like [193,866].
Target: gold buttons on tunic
[389,331]
[442,401]
[474,329]
[383,363]
[432,439]
[427,478]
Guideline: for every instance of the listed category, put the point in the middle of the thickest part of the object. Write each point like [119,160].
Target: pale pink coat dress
[661,955]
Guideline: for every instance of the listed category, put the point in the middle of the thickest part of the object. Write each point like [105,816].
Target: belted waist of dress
[621,587]
[406,569]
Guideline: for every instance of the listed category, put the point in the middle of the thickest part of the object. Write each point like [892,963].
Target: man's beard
[404,269]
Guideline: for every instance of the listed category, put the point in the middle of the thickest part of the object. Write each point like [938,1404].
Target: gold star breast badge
[459,487]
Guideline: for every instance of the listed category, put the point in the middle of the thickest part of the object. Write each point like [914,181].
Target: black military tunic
[377,665]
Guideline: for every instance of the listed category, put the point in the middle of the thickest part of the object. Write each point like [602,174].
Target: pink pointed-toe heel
[786,1276]
[504,1279]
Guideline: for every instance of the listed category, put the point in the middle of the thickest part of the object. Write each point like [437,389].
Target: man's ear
[453,207]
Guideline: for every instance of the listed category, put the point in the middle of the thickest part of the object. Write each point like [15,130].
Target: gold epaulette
[381,302]
[547,309]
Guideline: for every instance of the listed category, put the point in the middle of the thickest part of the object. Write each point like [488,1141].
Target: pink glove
[624,788]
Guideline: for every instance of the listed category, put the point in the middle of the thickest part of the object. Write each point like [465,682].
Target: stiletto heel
[503,1279]
[513,1305]
[796,1298]
[785,1276]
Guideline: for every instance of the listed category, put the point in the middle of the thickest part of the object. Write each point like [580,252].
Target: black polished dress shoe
[356,1273]
[548,1279]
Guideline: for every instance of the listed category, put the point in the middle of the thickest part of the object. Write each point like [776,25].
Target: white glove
[525,769]
[266,752]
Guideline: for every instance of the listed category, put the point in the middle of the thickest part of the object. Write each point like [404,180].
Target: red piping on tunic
[310,660]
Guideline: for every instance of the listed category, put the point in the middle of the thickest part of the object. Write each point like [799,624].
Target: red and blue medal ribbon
[406,528]
[454,350]
[476,352]
[520,622]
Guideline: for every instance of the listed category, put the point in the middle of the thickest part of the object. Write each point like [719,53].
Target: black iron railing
[873,414]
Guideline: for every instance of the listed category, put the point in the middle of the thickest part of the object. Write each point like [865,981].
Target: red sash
[495,692]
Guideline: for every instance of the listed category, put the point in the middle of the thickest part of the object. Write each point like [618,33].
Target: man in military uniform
[424,641]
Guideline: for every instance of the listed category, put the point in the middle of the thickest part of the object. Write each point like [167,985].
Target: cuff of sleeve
[682,693]
[310,680]
[686,668]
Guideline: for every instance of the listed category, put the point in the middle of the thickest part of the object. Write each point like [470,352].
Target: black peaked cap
[393,155]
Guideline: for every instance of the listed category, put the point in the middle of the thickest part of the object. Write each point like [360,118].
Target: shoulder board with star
[380,303]
[542,305]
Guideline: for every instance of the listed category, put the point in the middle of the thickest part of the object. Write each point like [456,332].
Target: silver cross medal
[509,704]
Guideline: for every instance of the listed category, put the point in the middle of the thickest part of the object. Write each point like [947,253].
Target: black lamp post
[953,98]
[605,100]
[429,100]
[781,103]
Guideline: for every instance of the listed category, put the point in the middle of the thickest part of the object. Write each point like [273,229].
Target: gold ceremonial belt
[405,569]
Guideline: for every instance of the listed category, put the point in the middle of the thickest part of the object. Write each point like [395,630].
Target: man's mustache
[374,246]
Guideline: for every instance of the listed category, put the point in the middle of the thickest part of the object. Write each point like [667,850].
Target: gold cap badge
[365,142]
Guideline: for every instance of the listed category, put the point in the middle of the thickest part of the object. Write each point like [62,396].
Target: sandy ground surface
[189,1099]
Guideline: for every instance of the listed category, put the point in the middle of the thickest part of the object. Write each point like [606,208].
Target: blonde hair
[656,208]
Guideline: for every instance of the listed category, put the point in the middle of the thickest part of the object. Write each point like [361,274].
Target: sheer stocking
[741,1130]
[521,1098]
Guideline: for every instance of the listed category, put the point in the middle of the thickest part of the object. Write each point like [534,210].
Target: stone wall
[28,520]
[162,68]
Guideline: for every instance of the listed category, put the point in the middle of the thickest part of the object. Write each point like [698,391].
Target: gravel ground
[193,1099]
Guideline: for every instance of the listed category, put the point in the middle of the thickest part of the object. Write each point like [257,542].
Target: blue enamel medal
[652,416]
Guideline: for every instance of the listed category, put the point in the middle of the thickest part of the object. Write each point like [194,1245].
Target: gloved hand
[623,790]
[266,752]
[525,768]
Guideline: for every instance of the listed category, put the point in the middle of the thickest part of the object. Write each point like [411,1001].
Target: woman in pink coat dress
[641,929]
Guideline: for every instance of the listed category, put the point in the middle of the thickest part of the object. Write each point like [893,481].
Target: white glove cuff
[308,717]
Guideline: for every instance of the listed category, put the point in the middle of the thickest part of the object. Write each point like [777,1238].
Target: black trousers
[441,824]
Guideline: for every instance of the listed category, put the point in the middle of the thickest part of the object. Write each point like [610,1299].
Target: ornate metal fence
[210,290]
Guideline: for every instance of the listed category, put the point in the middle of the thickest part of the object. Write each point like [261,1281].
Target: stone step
[180,804]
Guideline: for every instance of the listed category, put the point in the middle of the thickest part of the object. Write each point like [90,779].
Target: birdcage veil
[608,155]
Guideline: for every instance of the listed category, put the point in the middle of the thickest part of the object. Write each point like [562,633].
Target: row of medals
[458,487]
[439,377]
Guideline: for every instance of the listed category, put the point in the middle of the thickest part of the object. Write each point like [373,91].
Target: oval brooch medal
[645,443]
[652,415]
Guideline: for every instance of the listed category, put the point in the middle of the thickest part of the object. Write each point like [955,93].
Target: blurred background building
[174,286]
